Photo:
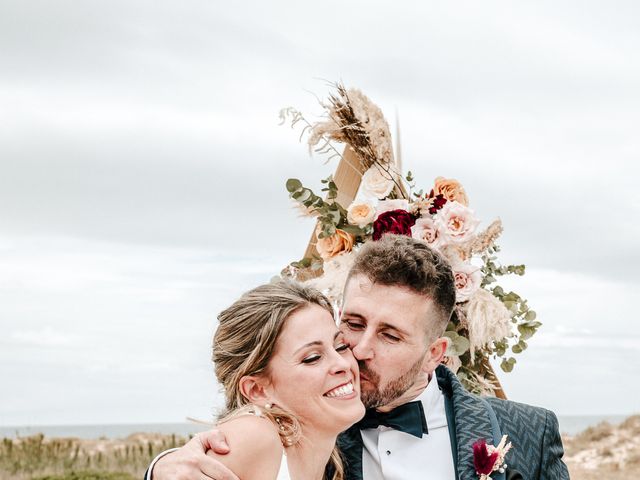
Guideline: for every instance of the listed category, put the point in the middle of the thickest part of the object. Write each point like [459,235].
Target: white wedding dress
[283,473]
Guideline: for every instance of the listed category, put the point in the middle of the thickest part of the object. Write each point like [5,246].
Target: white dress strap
[283,473]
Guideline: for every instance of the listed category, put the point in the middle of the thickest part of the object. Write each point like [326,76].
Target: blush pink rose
[426,230]
[456,222]
[467,278]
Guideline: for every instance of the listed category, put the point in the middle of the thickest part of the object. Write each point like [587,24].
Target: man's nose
[363,349]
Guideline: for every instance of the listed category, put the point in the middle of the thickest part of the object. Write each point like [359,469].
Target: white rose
[456,222]
[361,213]
[396,204]
[376,183]
[425,229]
[467,279]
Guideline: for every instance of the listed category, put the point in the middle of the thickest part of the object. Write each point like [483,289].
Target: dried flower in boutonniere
[489,323]
[488,459]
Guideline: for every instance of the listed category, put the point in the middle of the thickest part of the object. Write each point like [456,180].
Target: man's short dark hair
[398,260]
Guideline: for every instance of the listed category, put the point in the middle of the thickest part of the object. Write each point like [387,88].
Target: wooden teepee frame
[347,178]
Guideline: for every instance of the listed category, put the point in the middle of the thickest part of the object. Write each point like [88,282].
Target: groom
[420,421]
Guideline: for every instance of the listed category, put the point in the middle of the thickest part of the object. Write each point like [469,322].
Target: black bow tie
[407,418]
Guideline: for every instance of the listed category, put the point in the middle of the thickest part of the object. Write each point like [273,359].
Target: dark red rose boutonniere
[488,459]
[398,222]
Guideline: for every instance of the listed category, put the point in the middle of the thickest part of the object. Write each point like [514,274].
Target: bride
[291,384]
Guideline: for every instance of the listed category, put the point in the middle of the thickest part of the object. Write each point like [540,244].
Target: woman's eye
[311,359]
[342,347]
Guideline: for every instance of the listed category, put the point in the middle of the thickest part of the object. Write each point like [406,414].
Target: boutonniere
[488,459]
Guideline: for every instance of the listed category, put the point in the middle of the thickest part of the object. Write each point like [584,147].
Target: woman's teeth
[340,391]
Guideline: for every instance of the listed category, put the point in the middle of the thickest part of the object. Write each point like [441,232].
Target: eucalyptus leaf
[458,344]
[306,194]
[508,364]
[293,184]
[525,332]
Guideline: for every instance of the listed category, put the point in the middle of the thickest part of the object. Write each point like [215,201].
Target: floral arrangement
[488,322]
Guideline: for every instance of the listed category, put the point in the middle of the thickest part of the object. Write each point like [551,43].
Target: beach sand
[605,451]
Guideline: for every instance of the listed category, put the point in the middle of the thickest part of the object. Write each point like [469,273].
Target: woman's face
[313,374]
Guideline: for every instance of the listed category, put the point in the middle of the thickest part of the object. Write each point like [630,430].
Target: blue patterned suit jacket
[537,447]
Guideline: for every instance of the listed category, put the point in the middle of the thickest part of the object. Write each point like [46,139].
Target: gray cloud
[142,168]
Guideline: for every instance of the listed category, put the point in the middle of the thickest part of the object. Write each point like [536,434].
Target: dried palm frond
[488,320]
[294,117]
[355,120]
[481,242]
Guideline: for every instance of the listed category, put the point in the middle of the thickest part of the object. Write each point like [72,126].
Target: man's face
[385,326]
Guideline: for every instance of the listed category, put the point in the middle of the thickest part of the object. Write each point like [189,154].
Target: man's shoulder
[511,412]
[514,415]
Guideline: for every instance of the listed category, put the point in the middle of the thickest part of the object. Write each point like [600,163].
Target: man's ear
[435,354]
[255,389]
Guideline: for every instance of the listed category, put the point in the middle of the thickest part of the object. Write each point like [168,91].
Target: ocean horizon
[569,424]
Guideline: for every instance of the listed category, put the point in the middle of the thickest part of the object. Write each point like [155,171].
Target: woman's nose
[340,363]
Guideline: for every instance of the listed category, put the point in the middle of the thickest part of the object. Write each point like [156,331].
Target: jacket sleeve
[551,466]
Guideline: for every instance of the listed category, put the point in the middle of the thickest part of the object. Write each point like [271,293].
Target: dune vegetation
[603,452]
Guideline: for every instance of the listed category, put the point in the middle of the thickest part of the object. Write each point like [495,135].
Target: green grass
[89,475]
[40,458]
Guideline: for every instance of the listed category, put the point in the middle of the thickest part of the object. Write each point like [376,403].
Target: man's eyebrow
[351,314]
[315,343]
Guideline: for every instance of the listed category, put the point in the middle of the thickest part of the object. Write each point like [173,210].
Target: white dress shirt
[389,454]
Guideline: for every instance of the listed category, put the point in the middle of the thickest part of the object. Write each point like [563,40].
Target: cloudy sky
[142,175]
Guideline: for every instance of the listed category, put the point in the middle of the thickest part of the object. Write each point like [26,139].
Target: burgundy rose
[393,221]
[438,203]
[483,461]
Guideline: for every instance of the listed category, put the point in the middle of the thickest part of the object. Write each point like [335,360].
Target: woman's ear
[255,389]
[435,354]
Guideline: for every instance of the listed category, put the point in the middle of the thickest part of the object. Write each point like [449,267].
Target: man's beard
[394,389]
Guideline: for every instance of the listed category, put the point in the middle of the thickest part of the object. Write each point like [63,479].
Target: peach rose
[361,213]
[337,243]
[451,190]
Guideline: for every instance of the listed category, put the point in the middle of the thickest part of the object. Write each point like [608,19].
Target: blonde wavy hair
[245,342]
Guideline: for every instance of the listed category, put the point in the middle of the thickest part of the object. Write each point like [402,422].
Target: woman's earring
[268,406]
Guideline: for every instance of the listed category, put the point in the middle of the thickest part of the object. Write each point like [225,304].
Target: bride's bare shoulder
[255,447]
[262,431]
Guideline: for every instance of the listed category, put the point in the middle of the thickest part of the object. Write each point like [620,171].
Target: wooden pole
[347,178]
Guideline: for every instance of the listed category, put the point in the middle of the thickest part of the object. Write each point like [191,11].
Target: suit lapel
[350,443]
[468,422]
